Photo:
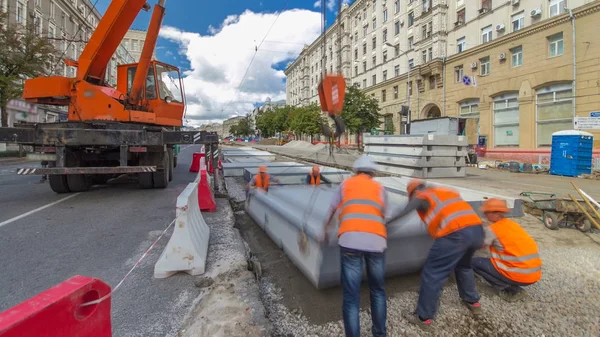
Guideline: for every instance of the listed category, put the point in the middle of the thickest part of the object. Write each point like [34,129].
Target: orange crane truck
[130,129]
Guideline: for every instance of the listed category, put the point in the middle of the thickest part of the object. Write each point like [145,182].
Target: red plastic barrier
[196,158]
[57,312]
[206,198]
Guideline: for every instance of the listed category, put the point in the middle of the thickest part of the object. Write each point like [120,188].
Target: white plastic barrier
[188,246]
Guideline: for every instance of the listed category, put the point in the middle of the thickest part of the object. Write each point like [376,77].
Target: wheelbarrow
[559,212]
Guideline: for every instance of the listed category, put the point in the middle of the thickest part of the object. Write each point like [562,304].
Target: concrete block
[294,175]
[418,150]
[237,169]
[427,172]
[262,155]
[187,249]
[283,212]
[419,162]
[431,139]
[244,160]
[397,186]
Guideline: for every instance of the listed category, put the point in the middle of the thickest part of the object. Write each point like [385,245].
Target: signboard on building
[587,123]
[595,114]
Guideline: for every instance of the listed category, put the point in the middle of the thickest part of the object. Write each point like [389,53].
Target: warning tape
[131,270]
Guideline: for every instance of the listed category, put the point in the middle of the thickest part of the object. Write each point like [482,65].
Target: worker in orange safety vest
[515,261]
[457,233]
[315,177]
[362,236]
[263,179]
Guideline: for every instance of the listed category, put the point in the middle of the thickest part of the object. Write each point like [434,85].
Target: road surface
[101,233]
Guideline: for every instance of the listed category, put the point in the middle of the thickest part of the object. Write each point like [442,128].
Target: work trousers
[483,266]
[351,277]
[452,252]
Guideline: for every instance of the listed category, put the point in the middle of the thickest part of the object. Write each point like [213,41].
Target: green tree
[243,127]
[388,124]
[307,120]
[23,54]
[360,112]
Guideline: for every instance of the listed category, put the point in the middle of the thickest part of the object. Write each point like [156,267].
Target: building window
[484,66]
[554,111]
[486,4]
[355,37]
[518,21]
[557,7]
[20,13]
[397,50]
[396,70]
[424,55]
[374,42]
[364,48]
[374,60]
[396,27]
[469,109]
[383,94]
[459,72]
[37,25]
[411,19]
[355,70]
[461,45]
[431,82]
[430,53]
[410,43]
[374,80]
[364,66]
[374,23]
[384,75]
[424,32]
[52,10]
[384,56]
[384,35]
[364,83]
[555,43]
[384,15]
[425,5]
[410,90]
[429,28]
[486,34]
[506,120]
[395,92]
[365,30]
[356,53]
[51,32]
[517,56]
[460,17]
[411,63]
[396,6]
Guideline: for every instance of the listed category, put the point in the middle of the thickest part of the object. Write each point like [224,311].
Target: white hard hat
[364,164]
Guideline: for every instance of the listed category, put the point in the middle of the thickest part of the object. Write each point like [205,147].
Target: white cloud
[331,4]
[220,59]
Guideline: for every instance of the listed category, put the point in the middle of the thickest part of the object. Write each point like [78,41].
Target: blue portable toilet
[571,153]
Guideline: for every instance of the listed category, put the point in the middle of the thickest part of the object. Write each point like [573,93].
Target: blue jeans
[452,252]
[351,277]
[483,266]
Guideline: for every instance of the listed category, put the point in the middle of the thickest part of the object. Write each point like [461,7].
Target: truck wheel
[79,182]
[161,178]
[171,163]
[145,180]
[58,183]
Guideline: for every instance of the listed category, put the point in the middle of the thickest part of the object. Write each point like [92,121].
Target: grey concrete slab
[427,172]
[296,174]
[418,162]
[419,150]
[284,211]
[397,186]
[263,156]
[431,139]
[237,169]
[244,160]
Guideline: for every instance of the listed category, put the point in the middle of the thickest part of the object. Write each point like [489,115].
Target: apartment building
[133,42]
[506,67]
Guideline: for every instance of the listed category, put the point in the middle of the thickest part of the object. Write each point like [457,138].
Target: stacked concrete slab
[292,175]
[246,153]
[422,156]
[236,169]
[285,211]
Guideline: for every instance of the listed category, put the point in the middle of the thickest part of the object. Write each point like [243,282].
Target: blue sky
[214,41]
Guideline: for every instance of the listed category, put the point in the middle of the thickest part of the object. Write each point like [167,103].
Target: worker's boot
[475,308]
[512,294]
[413,318]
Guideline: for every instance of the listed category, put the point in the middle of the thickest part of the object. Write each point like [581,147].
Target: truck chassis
[80,154]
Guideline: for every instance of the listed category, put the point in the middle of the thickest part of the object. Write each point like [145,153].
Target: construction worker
[515,261]
[314,177]
[362,235]
[457,233]
[262,180]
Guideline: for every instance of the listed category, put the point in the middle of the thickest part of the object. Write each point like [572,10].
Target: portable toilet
[571,153]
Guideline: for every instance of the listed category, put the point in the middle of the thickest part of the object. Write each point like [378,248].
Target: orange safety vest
[518,257]
[315,180]
[361,208]
[447,212]
[263,183]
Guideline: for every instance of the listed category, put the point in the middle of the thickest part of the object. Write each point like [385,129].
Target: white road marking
[37,209]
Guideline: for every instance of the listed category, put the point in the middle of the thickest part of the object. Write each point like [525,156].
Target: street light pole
[408,88]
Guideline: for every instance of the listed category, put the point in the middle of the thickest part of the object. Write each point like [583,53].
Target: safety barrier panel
[206,197]
[286,212]
[422,156]
[62,311]
[188,246]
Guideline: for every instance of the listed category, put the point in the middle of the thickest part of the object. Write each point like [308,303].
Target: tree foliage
[388,125]
[243,128]
[360,113]
[23,54]
[307,120]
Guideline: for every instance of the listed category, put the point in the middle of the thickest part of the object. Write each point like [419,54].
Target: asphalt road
[101,233]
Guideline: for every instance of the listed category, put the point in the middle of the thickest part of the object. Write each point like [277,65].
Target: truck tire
[145,180]
[161,177]
[79,182]
[58,183]
[171,163]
